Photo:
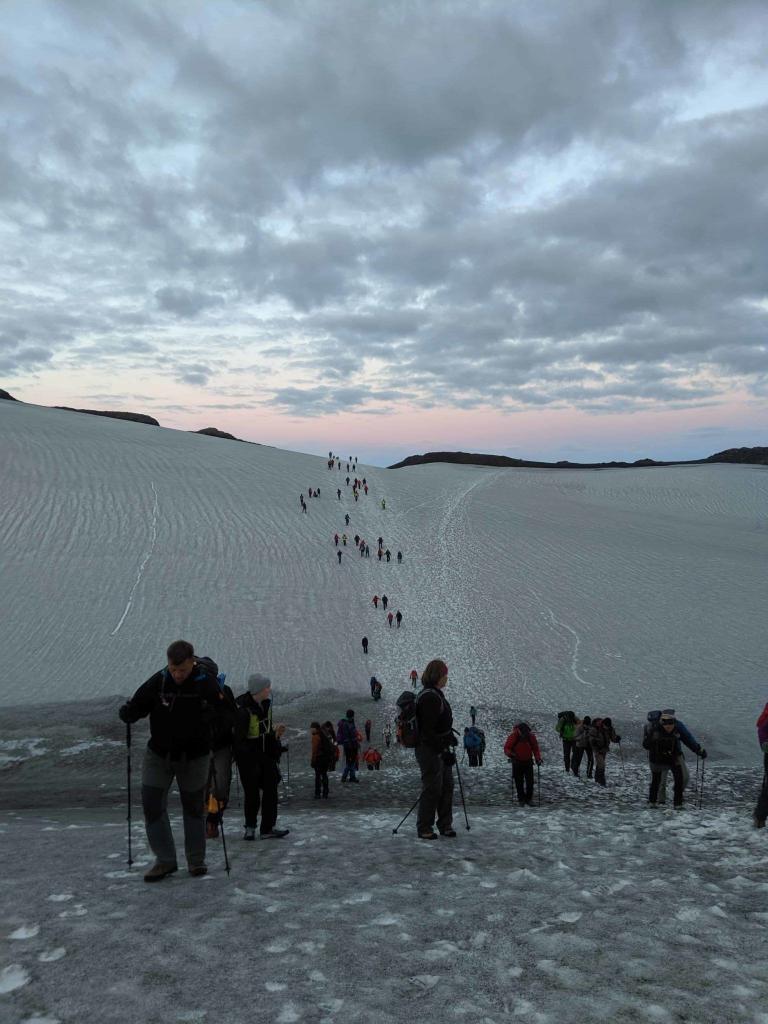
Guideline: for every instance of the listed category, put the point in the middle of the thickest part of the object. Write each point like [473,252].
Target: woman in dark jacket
[258,750]
[434,753]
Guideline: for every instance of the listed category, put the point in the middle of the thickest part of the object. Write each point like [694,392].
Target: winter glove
[449,758]
[124,713]
[702,753]
[618,739]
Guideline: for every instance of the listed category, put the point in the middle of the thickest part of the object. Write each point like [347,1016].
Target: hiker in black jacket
[185,706]
[664,745]
[258,750]
[434,753]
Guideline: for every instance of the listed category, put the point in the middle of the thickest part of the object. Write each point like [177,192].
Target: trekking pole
[409,813]
[288,764]
[128,774]
[701,792]
[461,790]
[538,783]
[219,811]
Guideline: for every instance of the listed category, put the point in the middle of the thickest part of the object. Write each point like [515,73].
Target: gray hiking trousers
[437,791]
[156,777]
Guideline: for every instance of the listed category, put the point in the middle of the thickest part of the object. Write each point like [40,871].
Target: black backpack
[407,720]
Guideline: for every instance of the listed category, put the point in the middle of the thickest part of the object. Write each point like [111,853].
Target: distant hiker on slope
[388,554]
[664,743]
[522,748]
[336,539]
[390,619]
[434,753]
[185,705]
[374,683]
[383,504]
[472,713]
[375,601]
[399,557]
[761,810]
[258,749]
[399,617]
[566,729]
[414,677]
[601,736]
[338,555]
[372,758]
[582,746]
[346,518]
[384,601]
[338,493]
[364,642]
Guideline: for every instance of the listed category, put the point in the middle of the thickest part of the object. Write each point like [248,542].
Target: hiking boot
[449,833]
[275,833]
[250,833]
[427,835]
[758,822]
[159,871]
[198,870]
[211,829]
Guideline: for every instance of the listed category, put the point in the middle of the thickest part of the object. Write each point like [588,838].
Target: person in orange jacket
[372,758]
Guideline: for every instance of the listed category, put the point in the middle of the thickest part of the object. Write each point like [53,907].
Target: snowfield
[609,591]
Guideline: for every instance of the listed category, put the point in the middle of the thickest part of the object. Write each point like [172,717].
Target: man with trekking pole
[184,705]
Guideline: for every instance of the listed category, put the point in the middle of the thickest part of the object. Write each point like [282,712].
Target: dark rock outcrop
[134,417]
[10,398]
[753,456]
[214,432]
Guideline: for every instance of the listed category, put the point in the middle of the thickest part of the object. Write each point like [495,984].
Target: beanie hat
[257,682]
[350,713]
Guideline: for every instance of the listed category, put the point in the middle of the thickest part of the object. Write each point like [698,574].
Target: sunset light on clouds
[536,231]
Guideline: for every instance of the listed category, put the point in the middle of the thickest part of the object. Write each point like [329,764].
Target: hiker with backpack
[601,736]
[430,730]
[390,619]
[322,757]
[348,739]
[364,642]
[398,618]
[472,746]
[522,749]
[761,810]
[258,749]
[220,769]
[185,707]
[652,721]
[414,677]
[377,691]
[375,601]
[664,743]
[384,601]
[566,729]
[582,746]
[372,758]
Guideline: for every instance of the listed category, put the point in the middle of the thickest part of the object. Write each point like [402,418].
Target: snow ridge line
[147,556]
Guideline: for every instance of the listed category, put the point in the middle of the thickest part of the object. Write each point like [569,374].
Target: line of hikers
[197,727]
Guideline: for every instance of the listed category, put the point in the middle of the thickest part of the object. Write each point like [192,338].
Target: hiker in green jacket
[566,730]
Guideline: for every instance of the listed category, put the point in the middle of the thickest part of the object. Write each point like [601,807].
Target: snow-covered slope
[607,591]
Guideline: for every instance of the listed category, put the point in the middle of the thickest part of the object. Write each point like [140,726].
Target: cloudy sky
[536,228]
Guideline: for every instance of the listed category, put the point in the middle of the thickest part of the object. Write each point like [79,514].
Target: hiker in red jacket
[390,619]
[522,748]
[375,601]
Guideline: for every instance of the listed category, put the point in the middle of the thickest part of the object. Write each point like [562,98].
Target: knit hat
[350,713]
[257,682]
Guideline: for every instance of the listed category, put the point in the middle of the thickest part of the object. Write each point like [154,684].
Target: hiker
[346,518]
[383,504]
[367,551]
[566,729]
[258,749]
[399,617]
[471,745]
[387,554]
[348,739]
[414,677]
[522,749]
[472,713]
[377,691]
[384,601]
[379,553]
[338,493]
[434,753]
[374,683]
[323,754]
[330,732]
[368,726]
[336,539]
[357,540]
[386,733]
[664,745]
[364,642]
[347,480]
[399,556]
[582,746]
[686,736]
[220,770]
[372,758]
[338,555]
[365,488]
[375,601]
[380,542]
[761,810]
[185,706]
[390,619]
[344,539]
[601,736]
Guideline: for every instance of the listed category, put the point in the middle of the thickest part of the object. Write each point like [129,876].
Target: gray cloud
[463,204]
